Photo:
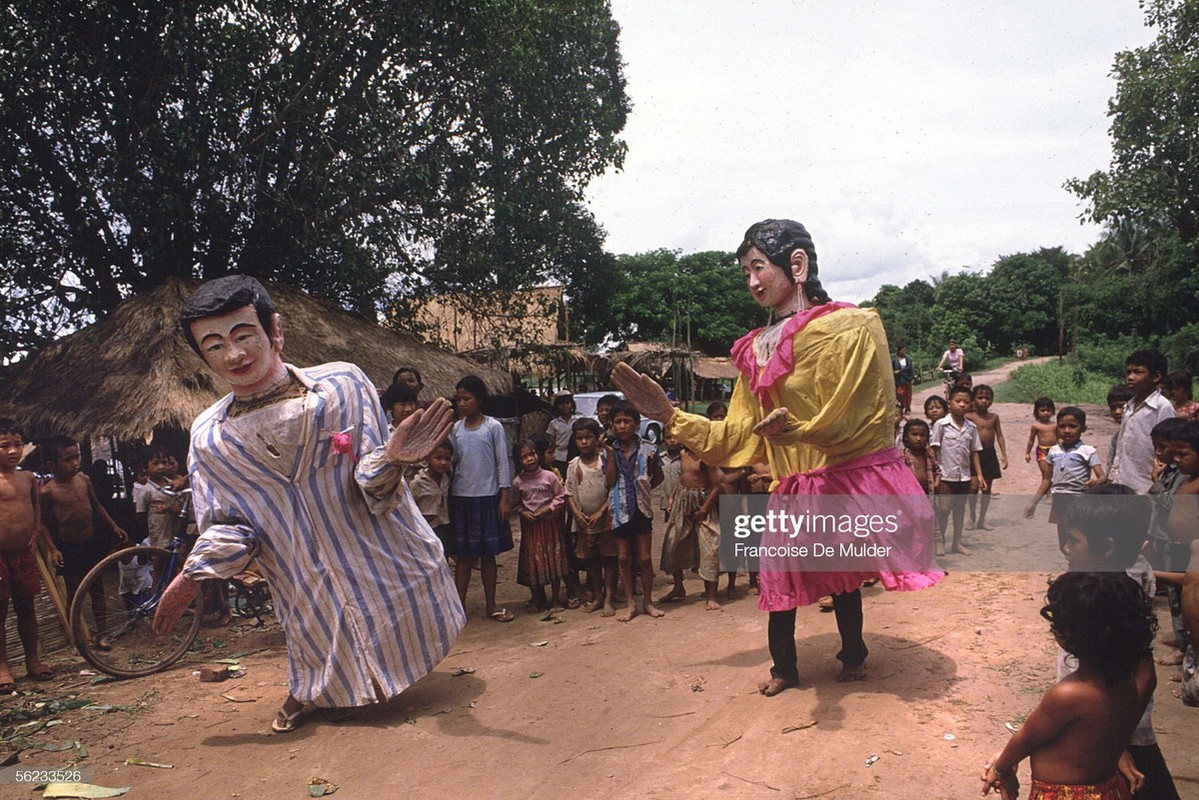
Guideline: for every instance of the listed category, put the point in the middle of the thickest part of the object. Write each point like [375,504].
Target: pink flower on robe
[342,443]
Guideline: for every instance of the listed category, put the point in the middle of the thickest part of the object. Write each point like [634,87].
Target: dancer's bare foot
[677,593]
[654,611]
[627,614]
[775,685]
[712,605]
[962,549]
[851,674]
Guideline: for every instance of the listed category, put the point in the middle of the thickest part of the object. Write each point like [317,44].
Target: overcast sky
[909,136]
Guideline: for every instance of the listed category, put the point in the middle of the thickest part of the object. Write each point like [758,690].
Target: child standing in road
[20,524]
[538,497]
[1075,737]
[638,471]
[990,434]
[956,444]
[1042,435]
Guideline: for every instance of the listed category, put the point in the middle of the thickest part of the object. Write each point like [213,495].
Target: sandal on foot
[825,603]
[286,722]
[501,615]
[573,603]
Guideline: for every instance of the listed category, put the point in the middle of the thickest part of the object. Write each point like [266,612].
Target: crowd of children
[582,493]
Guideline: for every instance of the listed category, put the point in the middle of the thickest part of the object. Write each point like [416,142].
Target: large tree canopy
[364,151]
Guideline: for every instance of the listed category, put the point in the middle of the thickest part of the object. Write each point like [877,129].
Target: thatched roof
[716,368]
[133,372]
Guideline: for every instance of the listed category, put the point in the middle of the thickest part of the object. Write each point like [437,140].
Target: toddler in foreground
[1075,737]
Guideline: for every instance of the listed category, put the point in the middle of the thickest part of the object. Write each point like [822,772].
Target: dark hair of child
[982,387]
[960,389]
[53,448]
[152,452]
[936,400]
[541,443]
[1073,411]
[398,393]
[1150,359]
[1104,619]
[10,427]
[415,373]
[1166,429]
[520,447]
[1188,434]
[586,424]
[914,423]
[1042,402]
[1111,511]
[965,379]
[1179,379]
[1119,393]
[608,400]
[626,409]
[714,407]
[446,445]
[475,386]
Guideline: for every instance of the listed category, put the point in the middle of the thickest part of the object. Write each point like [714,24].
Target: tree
[697,300]
[365,151]
[1153,182]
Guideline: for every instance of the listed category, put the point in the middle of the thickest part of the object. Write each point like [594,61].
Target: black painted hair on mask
[778,239]
[220,296]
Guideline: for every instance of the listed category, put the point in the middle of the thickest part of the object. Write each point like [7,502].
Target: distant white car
[585,403]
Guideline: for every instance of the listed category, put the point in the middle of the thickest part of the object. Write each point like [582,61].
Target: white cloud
[911,137]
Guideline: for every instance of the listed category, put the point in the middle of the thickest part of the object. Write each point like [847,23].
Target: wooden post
[55,587]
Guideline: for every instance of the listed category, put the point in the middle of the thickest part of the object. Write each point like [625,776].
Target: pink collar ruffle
[783,360]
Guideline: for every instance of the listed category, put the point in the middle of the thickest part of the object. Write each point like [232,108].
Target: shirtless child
[990,434]
[20,524]
[729,481]
[68,506]
[691,504]
[1042,435]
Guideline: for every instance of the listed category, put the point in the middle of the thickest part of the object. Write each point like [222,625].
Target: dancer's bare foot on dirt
[962,549]
[775,685]
[851,674]
[627,614]
[609,610]
[712,605]
[654,611]
[677,593]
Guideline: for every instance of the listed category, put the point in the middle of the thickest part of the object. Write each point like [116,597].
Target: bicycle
[123,643]
[950,378]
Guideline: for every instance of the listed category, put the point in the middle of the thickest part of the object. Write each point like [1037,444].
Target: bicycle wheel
[113,631]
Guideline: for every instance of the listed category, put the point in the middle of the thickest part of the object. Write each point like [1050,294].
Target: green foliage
[661,297]
[364,151]
[1064,382]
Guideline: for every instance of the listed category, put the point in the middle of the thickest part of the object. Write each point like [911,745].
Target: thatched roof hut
[133,373]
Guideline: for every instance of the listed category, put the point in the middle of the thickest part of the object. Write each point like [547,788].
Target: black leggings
[781,636]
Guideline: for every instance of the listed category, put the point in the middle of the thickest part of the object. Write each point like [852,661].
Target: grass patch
[1061,382]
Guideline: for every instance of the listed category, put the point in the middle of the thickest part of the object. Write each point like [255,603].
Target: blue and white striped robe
[359,579]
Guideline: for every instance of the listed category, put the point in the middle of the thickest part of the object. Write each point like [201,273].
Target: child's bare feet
[851,674]
[609,610]
[962,549]
[594,605]
[730,593]
[627,614]
[775,685]
[654,611]
[7,683]
[38,671]
[712,605]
